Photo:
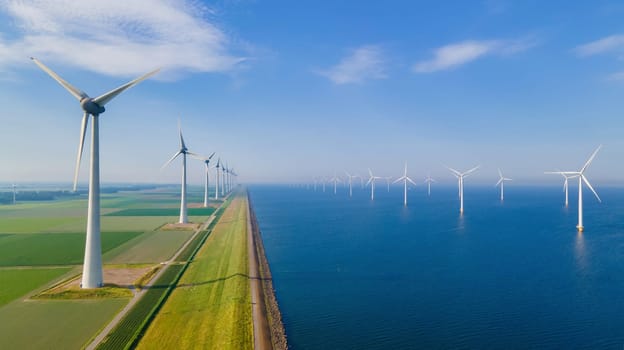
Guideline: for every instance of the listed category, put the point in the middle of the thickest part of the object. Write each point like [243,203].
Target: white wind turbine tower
[565,182]
[335,180]
[217,178]
[182,151]
[405,179]
[581,176]
[14,186]
[92,276]
[206,187]
[388,180]
[371,180]
[460,179]
[350,177]
[501,182]
[428,181]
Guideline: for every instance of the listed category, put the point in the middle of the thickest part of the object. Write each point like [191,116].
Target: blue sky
[289,90]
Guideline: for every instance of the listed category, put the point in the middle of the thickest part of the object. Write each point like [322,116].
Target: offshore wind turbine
[405,179]
[92,276]
[428,181]
[351,177]
[182,151]
[388,180]
[581,176]
[335,180]
[207,182]
[501,182]
[14,194]
[460,179]
[371,180]
[565,182]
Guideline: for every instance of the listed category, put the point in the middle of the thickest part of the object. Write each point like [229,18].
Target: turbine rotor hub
[91,107]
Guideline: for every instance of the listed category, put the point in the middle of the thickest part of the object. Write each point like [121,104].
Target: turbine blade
[471,170]
[500,173]
[590,159]
[83,132]
[195,155]
[457,173]
[210,157]
[499,182]
[171,160]
[410,180]
[590,187]
[77,93]
[107,97]
[182,144]
[399,179]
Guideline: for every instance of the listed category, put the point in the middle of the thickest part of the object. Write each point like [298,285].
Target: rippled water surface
[351,273]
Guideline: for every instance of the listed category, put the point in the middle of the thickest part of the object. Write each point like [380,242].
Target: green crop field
[150,247]
[161,212]
[33,225]
[210,307]
[54,324]
[17,282]
[36,249]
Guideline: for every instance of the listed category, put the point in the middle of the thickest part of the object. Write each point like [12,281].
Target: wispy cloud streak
[364,63]
[457,54]
[117,38]
[600,46]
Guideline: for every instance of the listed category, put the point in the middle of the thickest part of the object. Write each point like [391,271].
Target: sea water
[351,273]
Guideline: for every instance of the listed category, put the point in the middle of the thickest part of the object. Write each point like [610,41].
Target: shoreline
[265,294]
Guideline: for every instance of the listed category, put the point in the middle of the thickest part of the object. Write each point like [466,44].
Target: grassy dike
[210,306]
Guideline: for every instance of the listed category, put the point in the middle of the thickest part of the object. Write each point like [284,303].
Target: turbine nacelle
[89,106]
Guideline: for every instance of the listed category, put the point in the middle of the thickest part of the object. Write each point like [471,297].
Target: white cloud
[117,38]
[610,43]
[619,76]
[364,63]
[457,54]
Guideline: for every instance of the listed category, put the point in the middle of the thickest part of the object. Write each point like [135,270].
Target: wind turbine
[335,180]
[217,177]
[207,166]
[92,276]
[350,177]
[182,151]
[501,182]
[581,176]
[428,181]
[371,180]
[460,179]
[14,186]
[405,179]
[388,180]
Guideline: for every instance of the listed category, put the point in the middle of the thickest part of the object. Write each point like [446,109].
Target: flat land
[54,324]
[17,282]
[211,306]
[42,243]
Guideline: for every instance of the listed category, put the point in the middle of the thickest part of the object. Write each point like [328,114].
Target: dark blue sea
[351,273]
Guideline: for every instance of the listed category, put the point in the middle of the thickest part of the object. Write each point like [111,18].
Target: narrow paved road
[261,330]
[137,295]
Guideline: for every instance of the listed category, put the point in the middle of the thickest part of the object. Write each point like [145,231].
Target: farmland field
[149,247]
[210,305]
[58,324]
[36,249]
[161,212]
[17,282]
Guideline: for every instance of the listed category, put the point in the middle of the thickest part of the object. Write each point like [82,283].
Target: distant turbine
[182,151]
[350,177]
[217,178]
[428,181]
[405,179]
[371,180]
[388,180]
[14,194]
[92,276]
[581,176]
[460,179]
[501,182]
[206,187]
[335,180]
[315,182]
